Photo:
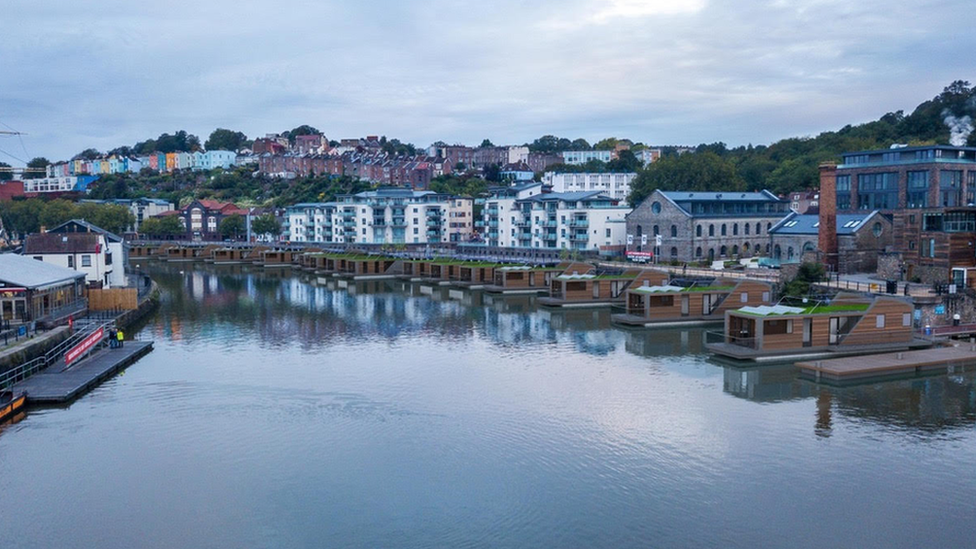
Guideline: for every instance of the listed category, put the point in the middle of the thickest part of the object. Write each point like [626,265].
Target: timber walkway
[59,385]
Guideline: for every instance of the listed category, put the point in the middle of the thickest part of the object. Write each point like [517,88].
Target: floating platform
[906,364]
[57,386]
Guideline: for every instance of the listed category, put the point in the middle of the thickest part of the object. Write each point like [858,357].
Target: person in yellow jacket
[120,337]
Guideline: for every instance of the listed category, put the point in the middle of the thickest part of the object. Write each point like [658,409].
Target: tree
[111,217]
[224,140]
[21,217]
[486,143]
[304,129]
[608,144]
[550,144]
[687,172]
[162,226]
[56,212]
[120,151]
[232,226]
[37,162]
[492,173]
[580,145]
[87,154]
[625,162]
[5,175]
[806,276]
[266,225]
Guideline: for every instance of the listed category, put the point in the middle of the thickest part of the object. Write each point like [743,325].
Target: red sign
[85,344]
[640,255]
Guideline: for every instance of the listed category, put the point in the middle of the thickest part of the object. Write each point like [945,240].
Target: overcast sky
[100,74]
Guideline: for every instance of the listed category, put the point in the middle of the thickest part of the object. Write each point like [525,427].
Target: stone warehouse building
[861,237]
[697,226]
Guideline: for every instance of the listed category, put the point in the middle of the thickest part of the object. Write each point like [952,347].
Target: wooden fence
[114,299]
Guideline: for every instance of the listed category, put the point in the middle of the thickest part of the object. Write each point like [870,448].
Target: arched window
[789,253]
[768,226]
[735,251]
[767,249]
[745,247]
[746,227]
[723,251]
[674,231]
[640,231]
[711,254]
[807,247]
[759,229]
[777,252]
[735,229]
[674,252]
[711,230]
[657,230]
[698,231]
[724,230]
[698,252]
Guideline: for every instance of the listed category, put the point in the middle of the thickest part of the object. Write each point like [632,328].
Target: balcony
[492,211]
[549,223]
[349,223]
[379,223]
[434,213]
[399,222]
[579,223]
[434,223]
[523,223]
[579,237]
[479,223]
[550,237]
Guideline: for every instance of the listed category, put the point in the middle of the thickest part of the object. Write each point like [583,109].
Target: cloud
[80,75]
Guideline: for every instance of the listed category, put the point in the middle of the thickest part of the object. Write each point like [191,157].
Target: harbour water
[278,410]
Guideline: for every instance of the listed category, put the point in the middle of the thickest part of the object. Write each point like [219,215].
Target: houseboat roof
[669,289]
[591,276]
[780,310]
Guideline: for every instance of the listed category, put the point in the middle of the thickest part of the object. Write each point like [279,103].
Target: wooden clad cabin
[476,273]
[849,324]
[517,279]
[148,251]
[230,256]
[305,260]
[647,305]
[596,289]
[277,258]
[366,266]
[181,253]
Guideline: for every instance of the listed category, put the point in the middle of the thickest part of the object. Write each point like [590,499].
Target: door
[706,304]
[807,332]
[834,328]
[684,305]
[596,290]
[531,279]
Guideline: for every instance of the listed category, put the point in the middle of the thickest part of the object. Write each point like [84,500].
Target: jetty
[907,364]
[58,384]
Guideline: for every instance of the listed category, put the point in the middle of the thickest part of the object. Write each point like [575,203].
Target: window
[843,192]
[656,207]
[674,252]
[608,233]
[71,261]
[711,230]
[698,252]
[657,230]
[746,227]
[877,191]
[85,260]
[876,229]
[674,231]
[698,231]
[735,229]
[879,321]
[724,230]
[918,190]
[758,228]
[950,188]
[906,319]
[744,298]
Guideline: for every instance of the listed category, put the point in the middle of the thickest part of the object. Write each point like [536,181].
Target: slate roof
[810,224]
[681,196]
[61,243]
[81,226]
[17,270]
[570,197]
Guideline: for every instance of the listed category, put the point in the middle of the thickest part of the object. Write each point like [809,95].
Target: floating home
[529,279]
[690,303]
[849,324]
[277,258]
[364,267]
[236,256]
[177,254]
[595,289]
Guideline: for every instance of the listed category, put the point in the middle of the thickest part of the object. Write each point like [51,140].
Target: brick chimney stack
[827,241]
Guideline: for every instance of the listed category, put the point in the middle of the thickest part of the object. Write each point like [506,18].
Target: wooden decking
[57,386]
[907,364]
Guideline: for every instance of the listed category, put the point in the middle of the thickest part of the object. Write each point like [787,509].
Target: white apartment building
[575,220]
[648,156]
[384,216]
[83,247]
[614,185]
[582,157]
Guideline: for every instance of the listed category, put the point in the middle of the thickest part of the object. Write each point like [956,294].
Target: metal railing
[52,356]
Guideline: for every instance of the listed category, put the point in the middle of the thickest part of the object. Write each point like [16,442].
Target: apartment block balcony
[548,223]
[550,236]
[348,213]
[434,223]
[349,223]
[399,221]
[579,237]
[492,211]
[579,223]
[523,223]
[434,213]
[479,223]
[379,223]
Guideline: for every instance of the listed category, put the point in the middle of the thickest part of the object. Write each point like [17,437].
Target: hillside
[791,164]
